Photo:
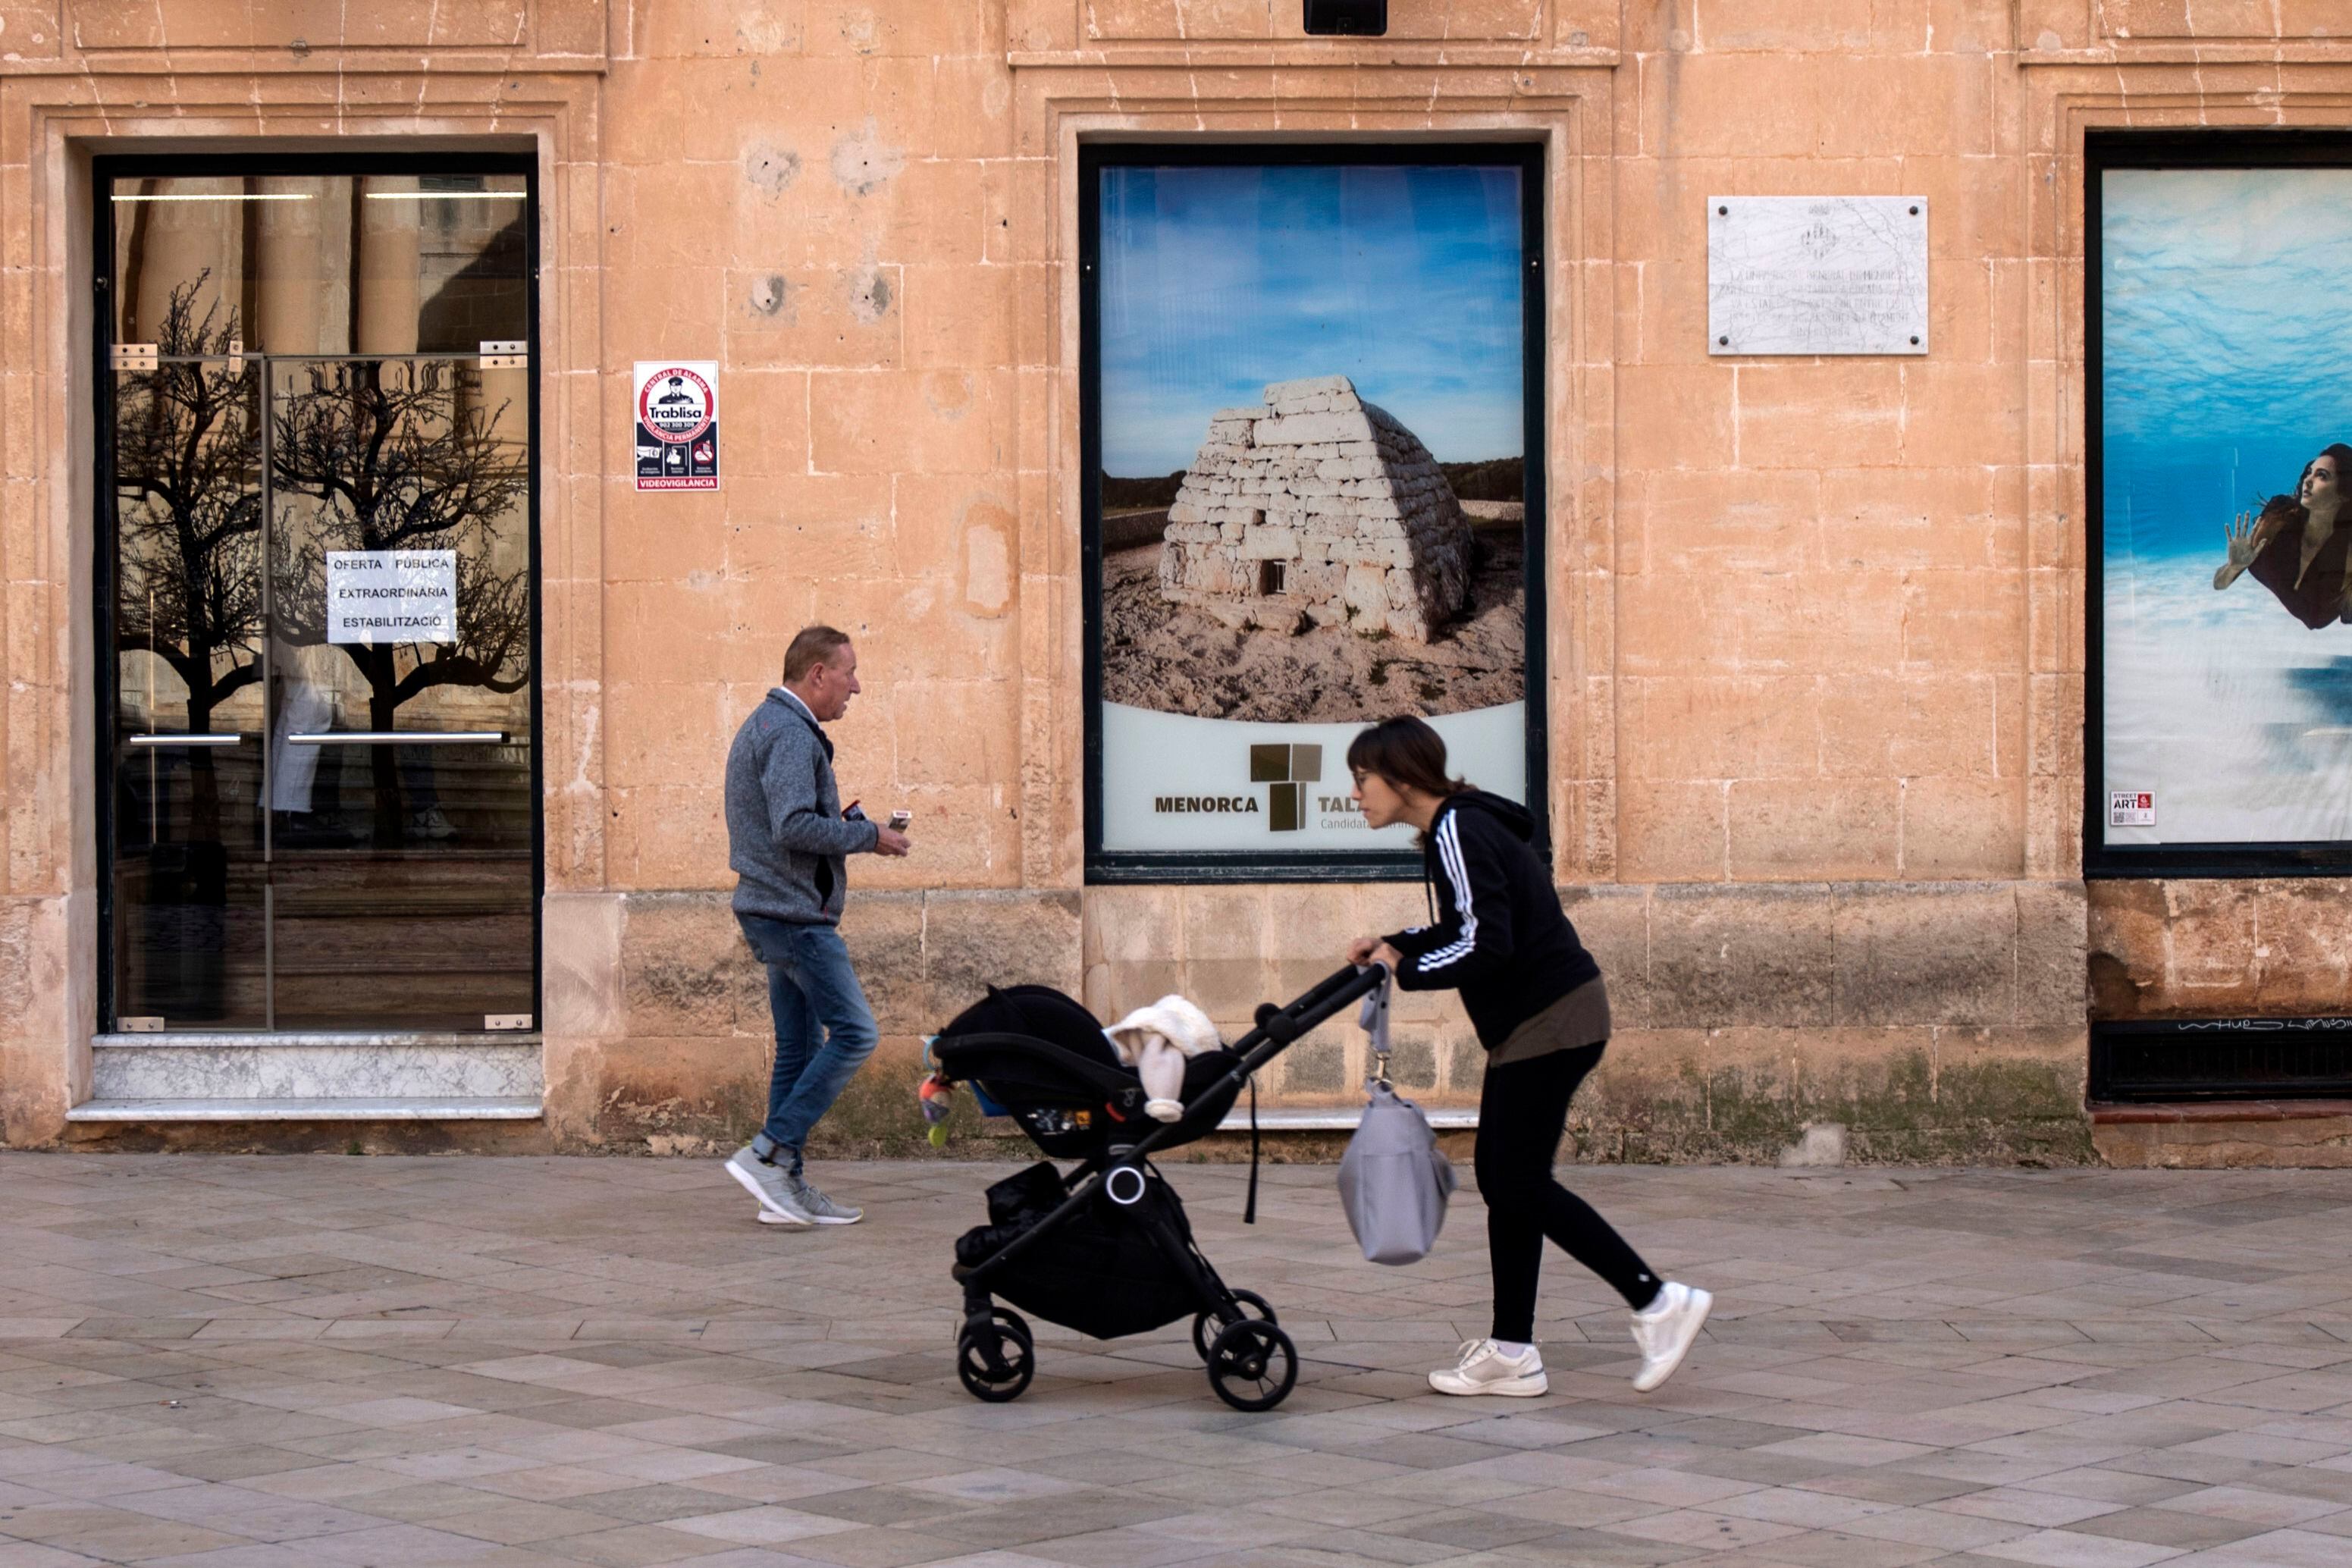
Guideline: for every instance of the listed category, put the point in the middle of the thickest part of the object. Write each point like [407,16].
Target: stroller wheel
[1252,1365]
[996,1359]
[1203,1321]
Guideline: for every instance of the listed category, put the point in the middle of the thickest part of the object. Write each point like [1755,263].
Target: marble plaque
[1817,275]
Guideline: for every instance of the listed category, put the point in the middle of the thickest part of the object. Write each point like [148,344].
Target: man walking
[787,839]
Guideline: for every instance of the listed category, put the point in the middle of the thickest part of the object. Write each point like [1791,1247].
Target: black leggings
[1522,1111]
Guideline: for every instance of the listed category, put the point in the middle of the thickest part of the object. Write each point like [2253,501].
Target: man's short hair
[811,646]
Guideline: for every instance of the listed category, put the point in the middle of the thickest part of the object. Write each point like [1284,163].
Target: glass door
[190,872]
[322,594]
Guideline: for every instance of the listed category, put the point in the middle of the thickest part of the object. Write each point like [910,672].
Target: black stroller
[1106,1248]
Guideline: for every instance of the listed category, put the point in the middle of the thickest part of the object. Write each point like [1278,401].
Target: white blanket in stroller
[1156,1041]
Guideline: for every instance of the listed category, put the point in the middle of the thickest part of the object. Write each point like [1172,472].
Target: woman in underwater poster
[2223,712]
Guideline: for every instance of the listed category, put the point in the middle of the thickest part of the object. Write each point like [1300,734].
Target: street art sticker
[678,425]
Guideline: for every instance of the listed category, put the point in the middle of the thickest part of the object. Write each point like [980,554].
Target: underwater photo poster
[2220,707]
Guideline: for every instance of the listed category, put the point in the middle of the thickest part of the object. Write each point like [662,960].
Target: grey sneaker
[774,1185]
[820,1208]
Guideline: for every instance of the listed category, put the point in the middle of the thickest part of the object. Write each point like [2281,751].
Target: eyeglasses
[1360,775]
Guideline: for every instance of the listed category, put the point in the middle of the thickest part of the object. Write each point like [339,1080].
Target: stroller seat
[1043,1057]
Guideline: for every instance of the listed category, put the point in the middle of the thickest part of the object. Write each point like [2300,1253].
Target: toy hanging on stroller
[1106,1248]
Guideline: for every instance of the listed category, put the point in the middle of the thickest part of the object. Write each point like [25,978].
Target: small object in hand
[898,820]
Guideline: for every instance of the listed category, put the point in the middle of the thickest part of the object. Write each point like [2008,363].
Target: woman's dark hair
[1407,752]
[2290,505]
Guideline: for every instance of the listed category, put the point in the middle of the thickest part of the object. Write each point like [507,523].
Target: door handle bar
[401,738]
[195,740]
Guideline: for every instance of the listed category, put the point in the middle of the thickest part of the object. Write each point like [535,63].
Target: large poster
[1313,485]
[2225,664]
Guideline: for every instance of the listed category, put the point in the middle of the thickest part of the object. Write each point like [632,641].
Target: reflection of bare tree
[187,476]
[388,455]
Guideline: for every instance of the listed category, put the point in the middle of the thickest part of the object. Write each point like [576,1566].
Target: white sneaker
[1664,1330]
[1485,1369]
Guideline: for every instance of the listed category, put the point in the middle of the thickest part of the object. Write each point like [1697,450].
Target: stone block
[1931,953]
[1412,1061]
[1269,544]
[680,956]
[1465,1068]
[2053,956]
[1741,956]
[1314,1068]
[580,944]
[2306,950]
[2127,939]
[885,935]
[974,940]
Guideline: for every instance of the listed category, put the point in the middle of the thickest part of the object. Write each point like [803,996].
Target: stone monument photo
[1313,485]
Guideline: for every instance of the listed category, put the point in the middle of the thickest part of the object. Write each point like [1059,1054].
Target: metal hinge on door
[133,356]
[506,1020]
[141,1025]
[505,353]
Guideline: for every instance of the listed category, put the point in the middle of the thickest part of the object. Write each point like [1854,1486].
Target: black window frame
[1110,866]
[106,169]
[2102,150]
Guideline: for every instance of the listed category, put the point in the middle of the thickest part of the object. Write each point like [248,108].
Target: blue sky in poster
[2226,363]
[1218,280]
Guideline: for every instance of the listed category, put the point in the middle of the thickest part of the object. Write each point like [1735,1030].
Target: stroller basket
[1104,1271]
[1107,1250]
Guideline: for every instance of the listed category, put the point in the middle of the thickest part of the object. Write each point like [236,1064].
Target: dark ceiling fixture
[1348,19]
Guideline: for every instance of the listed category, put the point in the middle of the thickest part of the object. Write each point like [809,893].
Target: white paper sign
[392,595]
[1816,275]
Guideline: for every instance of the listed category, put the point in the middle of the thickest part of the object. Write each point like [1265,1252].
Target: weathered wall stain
[862,162]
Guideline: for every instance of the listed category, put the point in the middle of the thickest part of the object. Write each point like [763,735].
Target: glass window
[1309,404]
[325,264]
[323,601]
[2220,708]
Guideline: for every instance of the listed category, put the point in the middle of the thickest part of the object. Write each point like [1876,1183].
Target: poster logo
[678,425]
[1289,769]
[2131,808]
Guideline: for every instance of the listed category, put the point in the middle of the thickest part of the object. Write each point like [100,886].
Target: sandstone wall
[1815,629]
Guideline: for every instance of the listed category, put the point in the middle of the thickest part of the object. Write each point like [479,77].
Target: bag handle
[1372,1017]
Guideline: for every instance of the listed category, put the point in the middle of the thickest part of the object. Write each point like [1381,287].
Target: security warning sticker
[2131,808]
[678,425]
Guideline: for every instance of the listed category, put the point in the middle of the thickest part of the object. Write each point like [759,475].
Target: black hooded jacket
[1501,937]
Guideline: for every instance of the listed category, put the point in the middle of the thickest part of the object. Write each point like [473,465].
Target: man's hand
[890,841]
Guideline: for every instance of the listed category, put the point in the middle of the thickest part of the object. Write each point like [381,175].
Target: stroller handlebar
[1278,1027]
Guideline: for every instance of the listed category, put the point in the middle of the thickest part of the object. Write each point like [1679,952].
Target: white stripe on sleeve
[1449,855]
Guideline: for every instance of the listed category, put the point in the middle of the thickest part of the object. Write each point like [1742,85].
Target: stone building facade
[1815,629]
[1316,508]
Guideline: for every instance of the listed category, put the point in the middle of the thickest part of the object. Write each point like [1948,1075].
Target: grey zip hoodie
[785,835]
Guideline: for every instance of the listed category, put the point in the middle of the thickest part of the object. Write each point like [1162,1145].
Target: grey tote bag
[1393,1182]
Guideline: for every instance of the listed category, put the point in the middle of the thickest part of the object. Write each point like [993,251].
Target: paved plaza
[329,1362]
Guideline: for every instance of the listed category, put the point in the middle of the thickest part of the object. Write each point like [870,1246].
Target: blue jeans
[824,1029]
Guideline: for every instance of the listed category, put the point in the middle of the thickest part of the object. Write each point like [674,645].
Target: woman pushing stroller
[1538,1001]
